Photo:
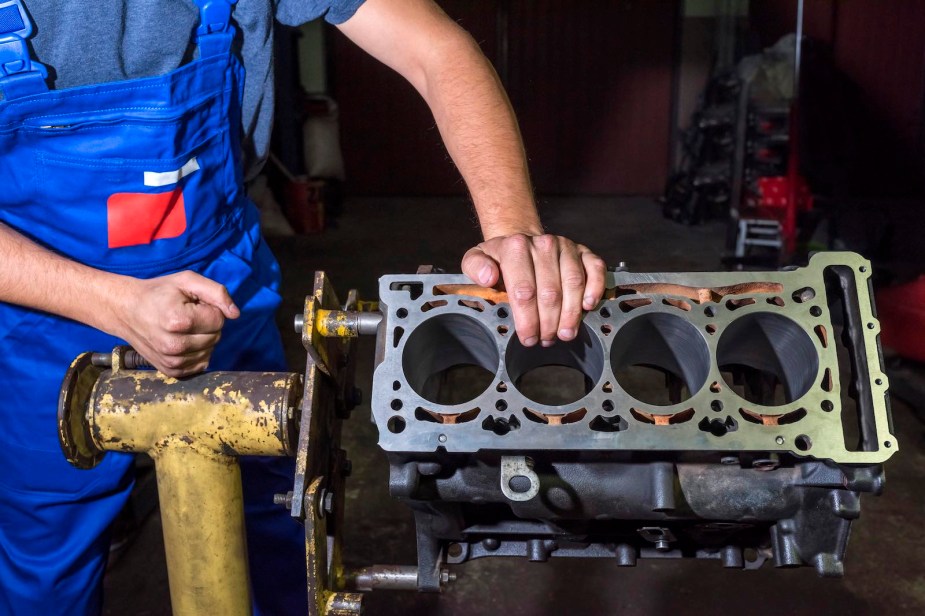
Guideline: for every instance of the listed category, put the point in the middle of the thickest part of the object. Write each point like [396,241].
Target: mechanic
[123,219]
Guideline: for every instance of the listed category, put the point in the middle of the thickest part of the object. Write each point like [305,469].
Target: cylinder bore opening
[450,359]
[660,359]
[556,375]
[767,359]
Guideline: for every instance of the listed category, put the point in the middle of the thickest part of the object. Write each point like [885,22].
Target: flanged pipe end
[73,402]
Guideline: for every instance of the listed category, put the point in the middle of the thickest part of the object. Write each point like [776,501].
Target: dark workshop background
[590,82]
[593,84]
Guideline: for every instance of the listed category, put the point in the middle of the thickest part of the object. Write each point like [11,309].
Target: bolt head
[284,500]
[446,576]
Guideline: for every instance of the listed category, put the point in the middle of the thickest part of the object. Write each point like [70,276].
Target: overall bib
[143,178]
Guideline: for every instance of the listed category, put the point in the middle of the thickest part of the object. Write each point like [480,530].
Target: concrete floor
[375,237]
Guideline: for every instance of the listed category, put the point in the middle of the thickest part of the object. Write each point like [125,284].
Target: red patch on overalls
[140,218]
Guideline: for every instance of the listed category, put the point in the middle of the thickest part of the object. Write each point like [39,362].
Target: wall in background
[863,90]
[312,61]
[710,33]
[590,81]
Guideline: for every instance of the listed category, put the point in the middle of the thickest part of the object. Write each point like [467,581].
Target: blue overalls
[143,178]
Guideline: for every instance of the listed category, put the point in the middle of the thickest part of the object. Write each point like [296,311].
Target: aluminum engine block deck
[776,362]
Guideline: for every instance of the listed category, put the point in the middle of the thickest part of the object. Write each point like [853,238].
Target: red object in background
[305,205]
[774,192]
[140,218]
[782,197]
[901,310]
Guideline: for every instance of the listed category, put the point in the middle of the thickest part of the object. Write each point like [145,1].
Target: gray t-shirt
[97,41]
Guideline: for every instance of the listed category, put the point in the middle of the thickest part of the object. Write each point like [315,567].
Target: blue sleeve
[297,12]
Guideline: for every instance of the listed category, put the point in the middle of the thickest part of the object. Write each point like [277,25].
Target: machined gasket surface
[808,334]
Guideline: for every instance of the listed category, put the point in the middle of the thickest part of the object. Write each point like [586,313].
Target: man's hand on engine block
[549,280]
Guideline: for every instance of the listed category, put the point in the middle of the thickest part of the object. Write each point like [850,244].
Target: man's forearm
[472,111]
[174,321]
[481,134]
[38,278]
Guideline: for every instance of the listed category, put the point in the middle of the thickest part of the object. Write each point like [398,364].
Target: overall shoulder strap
[215,32]
[20,75]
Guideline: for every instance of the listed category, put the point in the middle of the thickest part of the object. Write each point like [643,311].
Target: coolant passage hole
[556,375]
[767,358]
[660,359]
[450,359]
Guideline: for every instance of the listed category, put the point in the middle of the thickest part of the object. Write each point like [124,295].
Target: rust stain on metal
[215,413]
[492,296]
[735,304]
[773,420]
[823,336]
[335,324]
[553,419]
[662,419]
[631,304]
[427,306]
[449,419]
[471,303]
[677,303]
[700,295]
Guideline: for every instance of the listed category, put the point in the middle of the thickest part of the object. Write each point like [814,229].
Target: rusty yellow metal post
[194,429]
[202,513]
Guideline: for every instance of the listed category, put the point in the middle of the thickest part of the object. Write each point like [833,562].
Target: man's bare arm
[549,279]
[173,321]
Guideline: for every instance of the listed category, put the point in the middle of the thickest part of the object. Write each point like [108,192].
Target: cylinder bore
[660,358]
[767,358]
[556,375]
[450,359]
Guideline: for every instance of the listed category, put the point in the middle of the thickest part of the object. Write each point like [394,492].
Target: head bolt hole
[396,424]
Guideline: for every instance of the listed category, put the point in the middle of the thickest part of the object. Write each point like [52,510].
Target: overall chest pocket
[152,208]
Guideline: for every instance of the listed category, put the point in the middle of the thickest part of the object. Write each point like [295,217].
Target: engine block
[727,415]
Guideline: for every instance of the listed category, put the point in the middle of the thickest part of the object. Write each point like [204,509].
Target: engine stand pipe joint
[194,429]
